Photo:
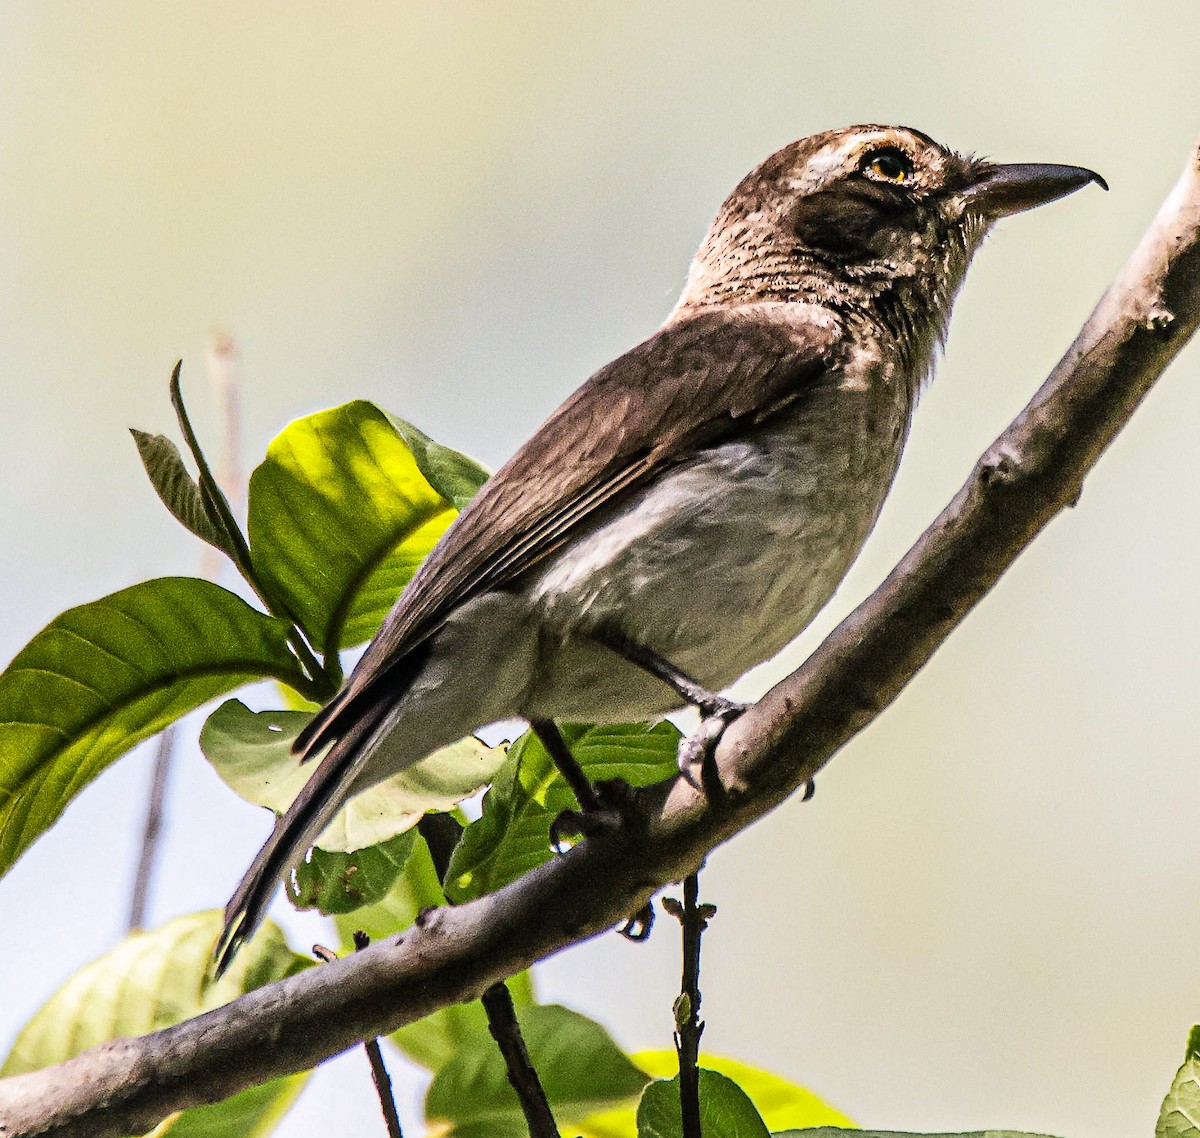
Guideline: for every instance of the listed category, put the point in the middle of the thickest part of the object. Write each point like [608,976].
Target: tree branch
[1028,475]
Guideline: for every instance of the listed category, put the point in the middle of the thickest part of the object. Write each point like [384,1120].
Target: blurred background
[988,915]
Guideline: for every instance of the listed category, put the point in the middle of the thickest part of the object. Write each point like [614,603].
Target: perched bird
[686,512]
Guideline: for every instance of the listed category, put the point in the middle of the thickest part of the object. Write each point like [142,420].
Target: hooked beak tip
[1015,187]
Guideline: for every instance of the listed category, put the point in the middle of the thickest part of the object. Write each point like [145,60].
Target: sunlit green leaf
[252,752]
[835,1132]
[433,1041]
[581,1069]
[292,700]
[512,836]
[725,1110]
[152,980]
[455,476]
[178,489]
[254,1113]
[341,515]
[340,882]
[1180,1113]
[780,1103]
[104,676]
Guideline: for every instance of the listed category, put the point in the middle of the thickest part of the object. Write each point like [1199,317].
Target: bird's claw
[637,927]
[697,751]
[614,796]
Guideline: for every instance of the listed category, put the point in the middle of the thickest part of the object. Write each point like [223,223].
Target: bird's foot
[637,927]
[697,752]
[613,797]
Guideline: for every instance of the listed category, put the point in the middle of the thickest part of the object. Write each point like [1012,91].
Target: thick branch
[1028,475]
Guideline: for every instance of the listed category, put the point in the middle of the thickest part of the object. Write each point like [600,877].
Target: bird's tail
[323,795]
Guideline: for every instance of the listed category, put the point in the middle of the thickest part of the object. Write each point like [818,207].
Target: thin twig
[1031,473]
[502,1023]
[223,377]
[441,833]
[379,1072]
[693,918]
[383,1088]
[152,829]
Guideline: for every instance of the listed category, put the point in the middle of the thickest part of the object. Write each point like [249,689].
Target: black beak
[1001,190]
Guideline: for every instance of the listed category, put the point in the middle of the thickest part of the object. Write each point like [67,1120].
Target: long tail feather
[314,807]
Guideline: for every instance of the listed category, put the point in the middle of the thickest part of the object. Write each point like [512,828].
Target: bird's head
[877,221]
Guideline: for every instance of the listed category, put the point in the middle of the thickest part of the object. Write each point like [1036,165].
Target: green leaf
[836,1132]
[252,753]
[152,980]
[415,889]
[292,700]
[512,836]
[725,1110]
[581,1069]
[253,1113]
[455,476]
[436,1039]
[102,677]
[340,516]
[1180,1113]
[179,491]
[340,882]
[780,1103]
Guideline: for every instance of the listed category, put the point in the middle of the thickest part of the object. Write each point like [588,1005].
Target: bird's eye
[890,165]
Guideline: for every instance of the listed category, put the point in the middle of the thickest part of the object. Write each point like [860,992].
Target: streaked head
[864,217]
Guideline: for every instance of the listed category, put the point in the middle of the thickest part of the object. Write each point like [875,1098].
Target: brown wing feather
[685,387]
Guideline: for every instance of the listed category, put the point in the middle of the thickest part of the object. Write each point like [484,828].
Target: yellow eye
[890,165]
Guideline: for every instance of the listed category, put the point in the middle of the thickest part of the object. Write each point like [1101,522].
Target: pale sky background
[989,914]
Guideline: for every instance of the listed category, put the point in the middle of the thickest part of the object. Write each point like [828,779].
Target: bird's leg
[692,691]
[568,766]
[716,712]
[600,803]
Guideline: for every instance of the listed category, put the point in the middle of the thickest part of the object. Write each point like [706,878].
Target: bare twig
[693,917]
[151,829]
[383,1088]
[441,833]
[379,1072]
[1033,471]
[502,1023]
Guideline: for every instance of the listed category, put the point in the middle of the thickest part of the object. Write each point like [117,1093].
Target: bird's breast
[725,558]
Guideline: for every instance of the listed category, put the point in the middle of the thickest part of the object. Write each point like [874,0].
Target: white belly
[719,563]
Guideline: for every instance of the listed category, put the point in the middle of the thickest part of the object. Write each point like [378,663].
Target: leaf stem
[332,667]
[325,680]
[210,488]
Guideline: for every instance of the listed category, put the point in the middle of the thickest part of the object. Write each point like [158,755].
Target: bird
[686,512]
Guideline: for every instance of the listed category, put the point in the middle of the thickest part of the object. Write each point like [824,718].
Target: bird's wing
[699,379]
